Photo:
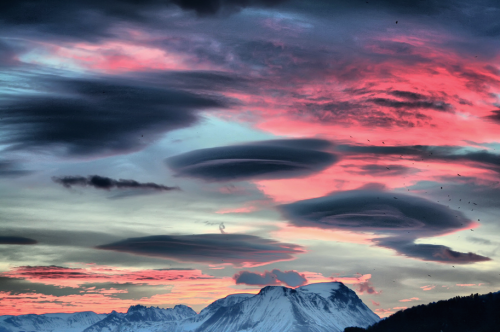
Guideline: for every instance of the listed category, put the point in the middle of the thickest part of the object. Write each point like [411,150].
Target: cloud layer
[101,182]
[90,19]
[403,218]
[16,240]
[483,158]
[275,277]
[275,159]
[97,116]
[236,249]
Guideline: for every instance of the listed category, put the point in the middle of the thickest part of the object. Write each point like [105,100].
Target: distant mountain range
[322,307]
[474,313]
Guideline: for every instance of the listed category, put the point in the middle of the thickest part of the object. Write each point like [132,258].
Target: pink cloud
[111,56]
[75,277]
[465,285]
[189,287]
[250,206]
[358,279]
[247,209]
[384,312]
[366,287]
[410,299]
[447,78]
[428,287]
[375,303]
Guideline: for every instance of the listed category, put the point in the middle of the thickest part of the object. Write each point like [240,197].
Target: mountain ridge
[321,307]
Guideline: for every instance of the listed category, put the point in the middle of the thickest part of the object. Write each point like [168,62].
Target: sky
[178,151]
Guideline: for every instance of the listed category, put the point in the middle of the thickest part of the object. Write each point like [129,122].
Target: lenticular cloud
[276,159]
[402,218]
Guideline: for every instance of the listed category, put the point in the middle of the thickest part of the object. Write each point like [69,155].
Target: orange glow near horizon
[188,287]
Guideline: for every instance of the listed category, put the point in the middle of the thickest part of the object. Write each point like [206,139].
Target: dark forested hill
[474,313]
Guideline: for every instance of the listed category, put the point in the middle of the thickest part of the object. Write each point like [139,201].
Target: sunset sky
[175,152]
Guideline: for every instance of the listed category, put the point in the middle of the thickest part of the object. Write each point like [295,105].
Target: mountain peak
[278,290]
[324,289]
[136,307]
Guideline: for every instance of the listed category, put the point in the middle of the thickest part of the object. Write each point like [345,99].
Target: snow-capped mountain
[322,307]
[141,318]
[75,322]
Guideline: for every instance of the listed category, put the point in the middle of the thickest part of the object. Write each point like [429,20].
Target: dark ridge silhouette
[474,313]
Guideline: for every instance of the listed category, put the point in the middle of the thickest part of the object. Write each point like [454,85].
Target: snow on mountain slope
[140,318]
[193,323]
[322,307]
[75,322]
[325,307]
[108,324]
[185,319]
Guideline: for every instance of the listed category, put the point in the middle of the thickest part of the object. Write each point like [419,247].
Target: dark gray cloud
[413,150]
[403,218]
[7,54]
[255,160]
[9,168]
[236,249]
[383,170]
[255,279]
[18,286]
[290,278]
[275,277]
[430,252]
[61,237]
[444,153]
[16,240]
[200,80]
[90,18]
[407,95]
[463,191]
[97,116]
[419,7]
[478,240]
[359,105]
[101,182]
[422,104]
[412,101]
[222,228]
[366,287]
[459,14]
[495,116]
[205,7]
